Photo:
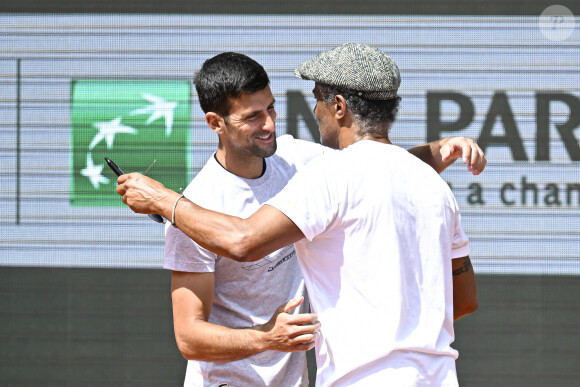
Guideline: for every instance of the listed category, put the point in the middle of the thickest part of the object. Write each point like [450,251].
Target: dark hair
[227,76]
[374,117]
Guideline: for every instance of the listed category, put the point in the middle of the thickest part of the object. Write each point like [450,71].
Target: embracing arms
[442,153]
[242,240]
[268,229]
[198,339]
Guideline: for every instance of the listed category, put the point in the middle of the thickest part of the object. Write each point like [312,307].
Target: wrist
[260,338]
[181,196]
[166,204]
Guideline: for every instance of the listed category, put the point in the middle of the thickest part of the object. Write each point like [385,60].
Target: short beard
[264,153]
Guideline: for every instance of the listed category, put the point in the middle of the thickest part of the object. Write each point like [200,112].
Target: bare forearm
[464,288]
[242,240]
[225,235]
[442,153]
[228,236]
[208,342]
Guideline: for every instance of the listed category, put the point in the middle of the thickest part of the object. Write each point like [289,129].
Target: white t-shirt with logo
[246,294]
[381,229]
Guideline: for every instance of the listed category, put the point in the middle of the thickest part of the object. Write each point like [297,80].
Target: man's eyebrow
[257,111]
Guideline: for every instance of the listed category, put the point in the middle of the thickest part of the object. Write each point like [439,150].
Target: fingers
[446,152]
[302,319]
[121,189]
[468,150]
[305,342]
[129,176]
[125,182]
[123,178]
[304,334]
[474,158]
[122,186]
[292,332]
[298,347]
[454,147]
[299,324]
[128,188]
[304,338]
[468,155]
[293,303]
[304,347]
[478,160]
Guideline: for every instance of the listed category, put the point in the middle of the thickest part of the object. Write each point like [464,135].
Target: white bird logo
[159,108]
[93,172]
[108,130]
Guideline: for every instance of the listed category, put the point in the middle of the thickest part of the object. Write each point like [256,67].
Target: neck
[247,166]
[373,138]
[350,135]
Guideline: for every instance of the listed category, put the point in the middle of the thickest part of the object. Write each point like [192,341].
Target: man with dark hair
[245,172]
[225,311]
[224,78]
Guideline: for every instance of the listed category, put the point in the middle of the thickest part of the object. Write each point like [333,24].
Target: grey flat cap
[356,67]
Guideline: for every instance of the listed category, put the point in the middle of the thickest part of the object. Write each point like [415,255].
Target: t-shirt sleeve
[183,254]
[460,247]
[308,200]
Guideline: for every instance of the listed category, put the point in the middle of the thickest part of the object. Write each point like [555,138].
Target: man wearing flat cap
[377,233]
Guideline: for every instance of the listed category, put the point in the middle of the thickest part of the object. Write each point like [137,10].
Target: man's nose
[270,123]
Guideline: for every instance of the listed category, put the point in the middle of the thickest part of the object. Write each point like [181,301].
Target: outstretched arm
[198,339]
[242,240]
[442,153]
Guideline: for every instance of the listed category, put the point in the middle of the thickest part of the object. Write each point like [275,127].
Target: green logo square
[132,122]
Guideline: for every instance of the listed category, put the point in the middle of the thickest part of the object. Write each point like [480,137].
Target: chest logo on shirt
[287,257]
[275,259]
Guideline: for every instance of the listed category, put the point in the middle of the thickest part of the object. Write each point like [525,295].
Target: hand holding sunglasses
[119,172]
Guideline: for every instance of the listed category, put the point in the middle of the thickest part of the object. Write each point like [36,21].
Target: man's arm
[442,153]
[242,240]
[197,339]
[464,287]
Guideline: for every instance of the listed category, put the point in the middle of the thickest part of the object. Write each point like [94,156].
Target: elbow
[188,343]
[465,309]
[471,307]
[187,349]
[190,351]
[244,247]
[241,254]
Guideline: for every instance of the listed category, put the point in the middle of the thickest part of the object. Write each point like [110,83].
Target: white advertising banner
[510,83]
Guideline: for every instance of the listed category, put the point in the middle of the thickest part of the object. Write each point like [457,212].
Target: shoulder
[208,182]
[299,152]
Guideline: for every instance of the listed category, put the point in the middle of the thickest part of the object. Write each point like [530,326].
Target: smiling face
[249,129]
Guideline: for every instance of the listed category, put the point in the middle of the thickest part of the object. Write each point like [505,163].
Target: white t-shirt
[246,294]
[381,229]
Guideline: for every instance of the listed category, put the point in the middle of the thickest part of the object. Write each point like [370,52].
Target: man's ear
[339,106]
[215,122]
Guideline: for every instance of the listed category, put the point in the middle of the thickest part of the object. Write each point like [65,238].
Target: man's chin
[265,151]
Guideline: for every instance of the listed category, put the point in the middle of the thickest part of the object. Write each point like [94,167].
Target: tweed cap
[355,67]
